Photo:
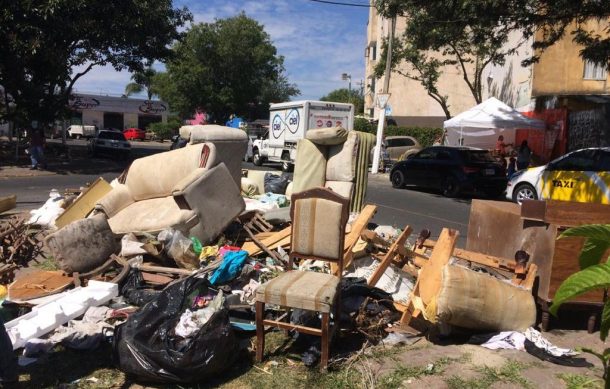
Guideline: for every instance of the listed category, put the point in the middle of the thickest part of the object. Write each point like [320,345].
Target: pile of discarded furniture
[185,254]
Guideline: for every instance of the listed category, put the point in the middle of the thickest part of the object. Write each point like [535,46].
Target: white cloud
[319,42]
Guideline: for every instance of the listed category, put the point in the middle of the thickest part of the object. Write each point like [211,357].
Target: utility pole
[383,97]
[348,77]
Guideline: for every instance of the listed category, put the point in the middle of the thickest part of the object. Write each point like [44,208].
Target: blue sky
[319,42]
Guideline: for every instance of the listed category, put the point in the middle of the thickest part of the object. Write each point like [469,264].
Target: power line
[340,3]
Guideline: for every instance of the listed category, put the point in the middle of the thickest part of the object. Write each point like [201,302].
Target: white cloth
[511,340]
[536,337]
[516,341]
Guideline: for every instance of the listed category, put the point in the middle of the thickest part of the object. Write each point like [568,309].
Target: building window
[594,71]
[374,54]
[366,52]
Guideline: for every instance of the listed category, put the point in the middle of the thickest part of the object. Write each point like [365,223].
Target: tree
[426,46]
[344,95]
[142,81]
[44,42]
[224,67]
[546,20]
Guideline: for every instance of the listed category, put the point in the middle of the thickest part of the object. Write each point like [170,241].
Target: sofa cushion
[230,145]
[310,166]
[341,162]
[300,289]
[315,228]
[214,133]
[327,136]
[155,176]
[344,188]
[152,215]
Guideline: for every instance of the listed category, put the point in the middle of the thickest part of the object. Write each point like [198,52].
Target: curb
[29,173]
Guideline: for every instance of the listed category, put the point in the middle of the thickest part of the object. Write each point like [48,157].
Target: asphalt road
[396,207]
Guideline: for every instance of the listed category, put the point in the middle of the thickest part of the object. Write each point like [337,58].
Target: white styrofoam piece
[69,305]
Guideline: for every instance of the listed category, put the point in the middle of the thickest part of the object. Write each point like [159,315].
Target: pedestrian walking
[37,142]
[524,156]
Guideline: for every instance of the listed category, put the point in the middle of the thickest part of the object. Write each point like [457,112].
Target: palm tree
[142,81]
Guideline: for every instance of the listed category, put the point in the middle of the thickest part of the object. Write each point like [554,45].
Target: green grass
[509,373]
[403,373]
[48,264]
[579,381]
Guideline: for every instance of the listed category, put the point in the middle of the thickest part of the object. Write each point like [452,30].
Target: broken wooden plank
[389,256]
[471,256]
[7,203]
[429,280]
[356,229]
[269,242]
[85,203]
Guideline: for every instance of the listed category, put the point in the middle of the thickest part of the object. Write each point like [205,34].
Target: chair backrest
[156,175]
[319,217]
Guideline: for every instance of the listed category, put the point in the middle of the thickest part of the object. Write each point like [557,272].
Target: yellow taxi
[582,176]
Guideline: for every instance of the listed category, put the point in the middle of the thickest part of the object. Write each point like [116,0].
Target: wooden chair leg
[260,331]
[325,341]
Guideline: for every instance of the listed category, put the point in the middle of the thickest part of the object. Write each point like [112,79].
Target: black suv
[453,170]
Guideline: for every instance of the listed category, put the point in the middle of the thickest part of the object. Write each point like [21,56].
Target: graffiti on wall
[587,129]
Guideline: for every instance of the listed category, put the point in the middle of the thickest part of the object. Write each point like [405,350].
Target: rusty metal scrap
[20,243]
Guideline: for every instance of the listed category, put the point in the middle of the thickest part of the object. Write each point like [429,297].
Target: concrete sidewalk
[61,166]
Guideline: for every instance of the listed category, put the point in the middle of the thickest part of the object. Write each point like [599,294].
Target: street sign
[382,99]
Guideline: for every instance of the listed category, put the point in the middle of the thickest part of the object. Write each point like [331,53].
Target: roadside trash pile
[185,261]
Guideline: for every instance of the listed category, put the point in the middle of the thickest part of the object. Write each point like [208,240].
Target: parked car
[582,176]
[452,170]
[134,133]
[398,148]
[111,143]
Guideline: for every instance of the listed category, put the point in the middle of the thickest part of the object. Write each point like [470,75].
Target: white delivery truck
[78,131]
[288,122]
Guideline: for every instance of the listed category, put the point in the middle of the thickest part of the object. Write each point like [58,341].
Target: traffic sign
[382,99]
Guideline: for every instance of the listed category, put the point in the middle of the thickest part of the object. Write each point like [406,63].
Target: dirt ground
[423,364]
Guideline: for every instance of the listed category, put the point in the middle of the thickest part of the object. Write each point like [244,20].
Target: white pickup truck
[288,122]
[78,131]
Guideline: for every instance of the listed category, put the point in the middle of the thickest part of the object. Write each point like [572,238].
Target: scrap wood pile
[389,282]
[20,242]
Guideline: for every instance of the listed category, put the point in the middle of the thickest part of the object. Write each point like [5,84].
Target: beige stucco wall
[511,82]
[130,120]
[93,118]
[561,69]
[409,100]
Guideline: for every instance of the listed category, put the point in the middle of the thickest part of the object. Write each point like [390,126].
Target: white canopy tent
[481,125]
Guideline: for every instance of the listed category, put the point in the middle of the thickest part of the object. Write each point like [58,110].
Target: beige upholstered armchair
[334,158]
[192,189]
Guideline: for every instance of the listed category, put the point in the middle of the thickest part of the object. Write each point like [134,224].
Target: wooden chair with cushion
[319,217]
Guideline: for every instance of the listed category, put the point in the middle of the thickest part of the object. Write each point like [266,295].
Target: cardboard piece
[85,203]
[7,203]
[38,284]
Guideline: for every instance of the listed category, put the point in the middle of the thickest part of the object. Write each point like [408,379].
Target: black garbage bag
[276,184]
[146,346]
[134,289]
